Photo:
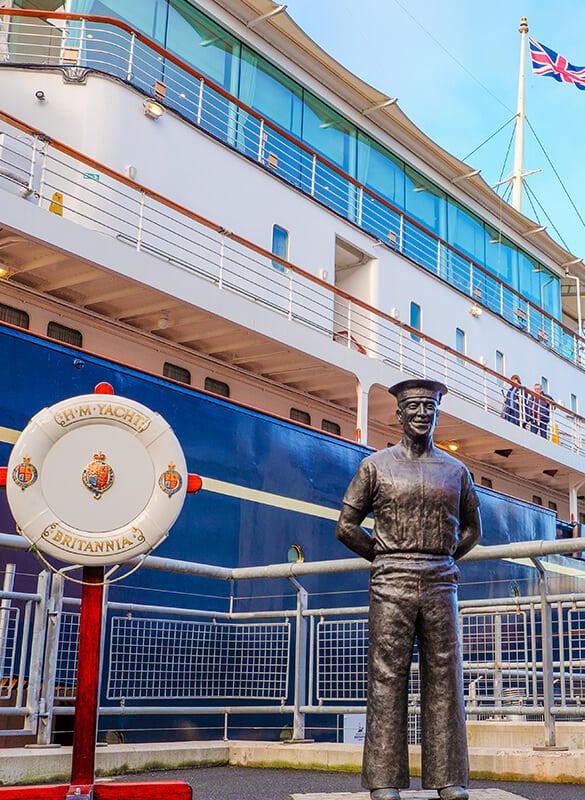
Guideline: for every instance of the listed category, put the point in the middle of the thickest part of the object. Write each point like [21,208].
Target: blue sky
[453,64]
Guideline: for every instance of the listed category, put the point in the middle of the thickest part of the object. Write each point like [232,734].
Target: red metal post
[88,676]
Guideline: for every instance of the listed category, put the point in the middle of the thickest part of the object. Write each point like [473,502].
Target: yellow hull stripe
[275,500]
[8,435]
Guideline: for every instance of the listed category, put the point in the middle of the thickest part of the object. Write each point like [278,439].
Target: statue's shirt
[417,503]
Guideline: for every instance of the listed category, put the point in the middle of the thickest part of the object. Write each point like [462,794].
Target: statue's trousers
[414,597]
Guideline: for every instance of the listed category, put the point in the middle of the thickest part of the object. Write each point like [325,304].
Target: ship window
[415,320]
[280,242]
[331,427]
[574,403]
[426,203]
[500,365]
[552,505]
[460,343]
[14,316]
[217,387]
[544,384]
[64,334]
[487,482]
[300,416]
[176,373]
[466,231]
[537,499]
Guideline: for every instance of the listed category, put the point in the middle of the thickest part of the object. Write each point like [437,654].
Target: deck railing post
[140,222]
[54,615]
[5,603]
[200,101]
[33,696]
[221,255]
[300,676]
[547,656]
[129,73]
[261,142]
[43,174]
[313,175]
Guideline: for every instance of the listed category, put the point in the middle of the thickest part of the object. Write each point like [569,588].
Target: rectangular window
[415,320]
[487,482]
[14,316]
[64,334]
[217,387]
[537,499]
[176,373]
[330,427]
[500,365]
[280,246]
[300,416]
[460,343]
[426,203]
[574,403]
[552,505]
[466,231]
[544,384]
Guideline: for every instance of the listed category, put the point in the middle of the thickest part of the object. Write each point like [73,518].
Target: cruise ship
[203,208]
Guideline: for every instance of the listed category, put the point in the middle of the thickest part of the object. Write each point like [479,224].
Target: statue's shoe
[385,794]
[453,793]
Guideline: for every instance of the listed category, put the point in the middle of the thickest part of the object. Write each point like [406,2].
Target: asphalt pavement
[248,783]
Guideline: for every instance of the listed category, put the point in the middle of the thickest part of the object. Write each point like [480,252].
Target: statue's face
[418,417]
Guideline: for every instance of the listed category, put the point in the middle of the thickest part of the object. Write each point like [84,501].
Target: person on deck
[515,401]
[426,517]
[538,411]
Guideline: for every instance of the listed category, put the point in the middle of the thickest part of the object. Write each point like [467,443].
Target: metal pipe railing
[114,41]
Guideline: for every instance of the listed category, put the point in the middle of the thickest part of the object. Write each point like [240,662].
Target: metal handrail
[392,226]
[149,222]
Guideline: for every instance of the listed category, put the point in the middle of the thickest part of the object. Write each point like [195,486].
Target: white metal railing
[62,181]
[79,43]
[522,656]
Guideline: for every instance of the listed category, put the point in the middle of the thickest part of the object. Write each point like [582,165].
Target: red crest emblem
[98,476]
[170,481]
[24,474]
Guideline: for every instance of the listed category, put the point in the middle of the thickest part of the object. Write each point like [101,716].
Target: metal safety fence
[523,657]
[78,44]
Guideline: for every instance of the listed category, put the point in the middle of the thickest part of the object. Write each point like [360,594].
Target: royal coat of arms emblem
[24,474]
[98,476]
[170,481]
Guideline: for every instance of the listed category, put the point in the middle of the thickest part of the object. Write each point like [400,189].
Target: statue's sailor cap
[418,387]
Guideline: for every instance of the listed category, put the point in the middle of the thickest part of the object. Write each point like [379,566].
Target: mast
[519,142]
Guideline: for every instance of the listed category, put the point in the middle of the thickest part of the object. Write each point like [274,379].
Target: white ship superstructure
[198,190]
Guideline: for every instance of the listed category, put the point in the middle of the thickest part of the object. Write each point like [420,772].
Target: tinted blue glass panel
[271,93]
[380,171]
[425,202]
[203,44]
[329,134]
[279,245]
[415,320]
[501,257]
[466,232]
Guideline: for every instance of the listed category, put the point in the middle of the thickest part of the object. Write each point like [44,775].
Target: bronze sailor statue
[426,516]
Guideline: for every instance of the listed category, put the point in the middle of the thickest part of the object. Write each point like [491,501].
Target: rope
[479,146]
[531,194]
[552,166]
[62,572]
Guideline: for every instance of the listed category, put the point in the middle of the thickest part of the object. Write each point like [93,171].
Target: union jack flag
[546,62]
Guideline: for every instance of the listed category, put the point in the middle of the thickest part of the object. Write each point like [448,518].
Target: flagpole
[519,142]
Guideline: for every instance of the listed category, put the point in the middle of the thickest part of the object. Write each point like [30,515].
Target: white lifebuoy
[96,479]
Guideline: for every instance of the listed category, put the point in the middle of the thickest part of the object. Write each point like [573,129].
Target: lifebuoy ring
[96,479]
